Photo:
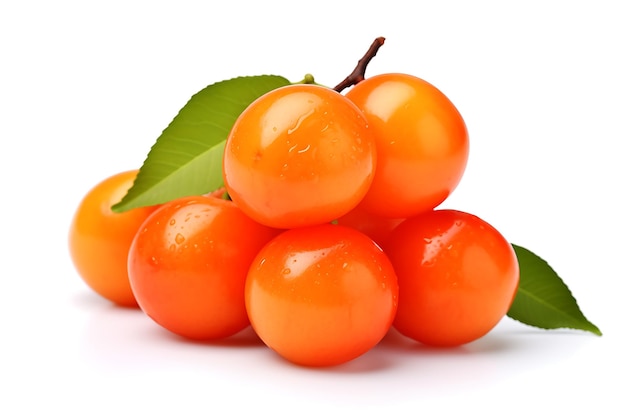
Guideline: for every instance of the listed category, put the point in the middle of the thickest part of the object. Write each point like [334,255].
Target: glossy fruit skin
[99,239]
[299,155]
[321,295]
[422,143]
[458,276]
[188,264]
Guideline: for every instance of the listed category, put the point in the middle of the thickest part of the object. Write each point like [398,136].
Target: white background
[86,88]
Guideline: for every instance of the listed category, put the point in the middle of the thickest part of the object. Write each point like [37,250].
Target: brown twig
[358,74]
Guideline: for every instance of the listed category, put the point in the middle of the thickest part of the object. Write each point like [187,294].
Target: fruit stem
[308,79]
[358,74]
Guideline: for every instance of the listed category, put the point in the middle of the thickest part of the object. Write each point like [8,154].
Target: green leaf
[543,300]
[187,157]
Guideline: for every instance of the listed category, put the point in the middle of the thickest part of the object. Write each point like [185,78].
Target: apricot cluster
[327,232]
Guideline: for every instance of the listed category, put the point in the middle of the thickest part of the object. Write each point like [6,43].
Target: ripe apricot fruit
[188,264]
[99,238]
[321,295]
[458,277]
[299,155]
[421,139]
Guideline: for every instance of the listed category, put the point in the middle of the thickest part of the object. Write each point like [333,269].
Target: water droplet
[172,222]
[286,271]
[179,238]
[172,247]
[299,121]
[427,240]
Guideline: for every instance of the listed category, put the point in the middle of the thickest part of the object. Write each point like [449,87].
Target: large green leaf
[187,158]
[543,300]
